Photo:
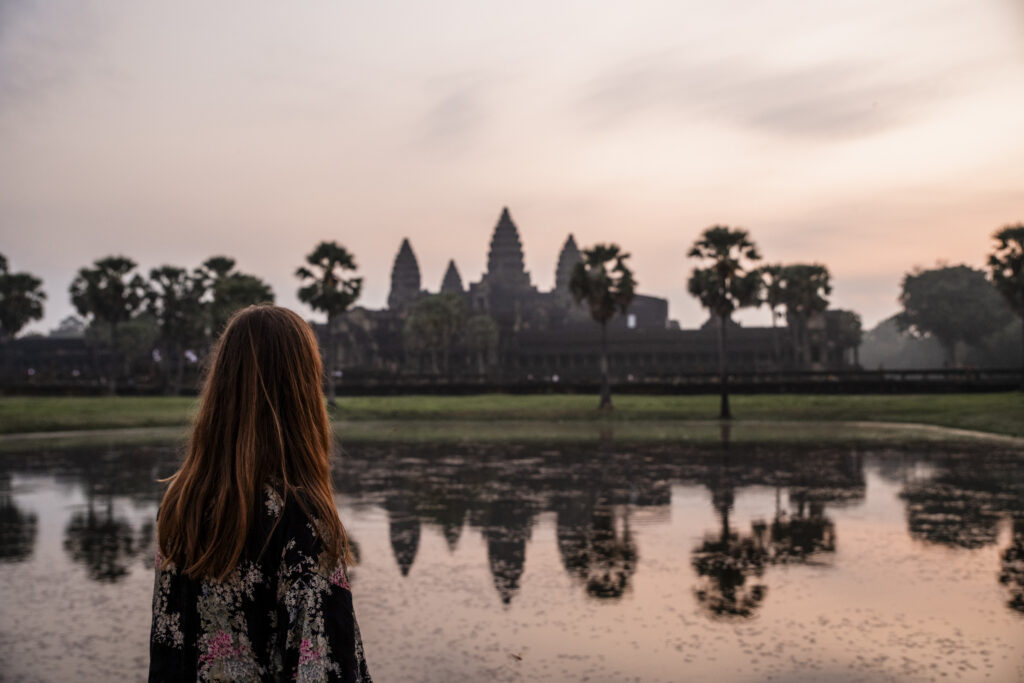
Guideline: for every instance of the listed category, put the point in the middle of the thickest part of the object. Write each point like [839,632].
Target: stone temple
[543,335]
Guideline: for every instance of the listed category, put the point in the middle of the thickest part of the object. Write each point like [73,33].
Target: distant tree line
[176,314]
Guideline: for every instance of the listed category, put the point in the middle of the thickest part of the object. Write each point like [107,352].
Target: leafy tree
[21,300]
[175,298]
[110,292]
[849,333]
[771,276]
[231,291]
[804,288]
[330,291]
[71,327]
[728,283]
[481,339]
[1006,264]
[887,346]
[954,304]
[136,339]
[433,323]
[604,283]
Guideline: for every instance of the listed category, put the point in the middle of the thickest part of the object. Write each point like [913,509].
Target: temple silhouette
[545,335]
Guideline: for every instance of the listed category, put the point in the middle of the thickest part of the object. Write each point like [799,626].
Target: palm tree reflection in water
[726,560]
[1012,574]
[103,542]
[597,547]
[595,491]
[17,528]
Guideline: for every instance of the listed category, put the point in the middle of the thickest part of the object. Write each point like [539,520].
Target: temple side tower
[567,260]
[505,258]
[452,283]
[405,277]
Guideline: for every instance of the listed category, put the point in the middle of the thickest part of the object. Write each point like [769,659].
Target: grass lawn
[999,413]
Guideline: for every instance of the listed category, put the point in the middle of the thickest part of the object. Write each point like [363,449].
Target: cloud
[43,46]
[829,100]
[454,113]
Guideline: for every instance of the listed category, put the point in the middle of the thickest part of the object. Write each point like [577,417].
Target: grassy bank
[999,413]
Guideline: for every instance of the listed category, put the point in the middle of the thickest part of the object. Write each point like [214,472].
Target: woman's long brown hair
[261,420]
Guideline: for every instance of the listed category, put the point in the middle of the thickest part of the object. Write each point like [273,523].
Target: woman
[251,579]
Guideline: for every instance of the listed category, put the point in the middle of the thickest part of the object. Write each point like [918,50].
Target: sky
[869,135]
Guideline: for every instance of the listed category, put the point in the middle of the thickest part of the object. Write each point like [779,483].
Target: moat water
[596,560]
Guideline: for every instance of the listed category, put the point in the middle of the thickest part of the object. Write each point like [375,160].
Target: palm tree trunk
[179,369]
[113,364]
[446,359]
[332,358]
[805,345]
[606,389]
[723,511]
[794,338]
[723,377]
[775,341]
[1022,349]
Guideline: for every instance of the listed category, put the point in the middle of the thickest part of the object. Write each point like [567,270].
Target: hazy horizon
[867,136]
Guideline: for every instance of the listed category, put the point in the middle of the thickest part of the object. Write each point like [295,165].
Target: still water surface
[601,561]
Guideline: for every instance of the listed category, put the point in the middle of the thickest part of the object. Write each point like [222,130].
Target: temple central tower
[405,278]
[567,260]
[505,258]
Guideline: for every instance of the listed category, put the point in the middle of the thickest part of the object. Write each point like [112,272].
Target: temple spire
[452,283]
[405,277]
[567,260]
[505,258]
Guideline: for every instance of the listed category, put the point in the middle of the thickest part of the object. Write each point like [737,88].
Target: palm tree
[329,291]
[1006,263]
[231,291]
[804,288]
[175,297]
[728,283]
[606,284]
[111,292]
[21,300]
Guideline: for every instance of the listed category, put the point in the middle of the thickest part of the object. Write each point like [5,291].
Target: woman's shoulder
[287,503]
[301,536]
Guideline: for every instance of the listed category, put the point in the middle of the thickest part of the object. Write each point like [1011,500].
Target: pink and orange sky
[869,135]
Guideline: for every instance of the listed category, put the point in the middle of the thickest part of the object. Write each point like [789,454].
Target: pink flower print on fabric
[220,648]
[339,578]
[307,653]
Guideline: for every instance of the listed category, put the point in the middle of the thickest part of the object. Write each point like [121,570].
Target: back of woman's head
[261,420]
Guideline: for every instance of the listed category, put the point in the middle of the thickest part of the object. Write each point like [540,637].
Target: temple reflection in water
[592,490]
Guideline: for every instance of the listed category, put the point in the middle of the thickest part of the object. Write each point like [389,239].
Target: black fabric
[283,614]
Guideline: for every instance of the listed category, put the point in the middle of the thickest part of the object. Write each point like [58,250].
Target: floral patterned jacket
[278,616]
